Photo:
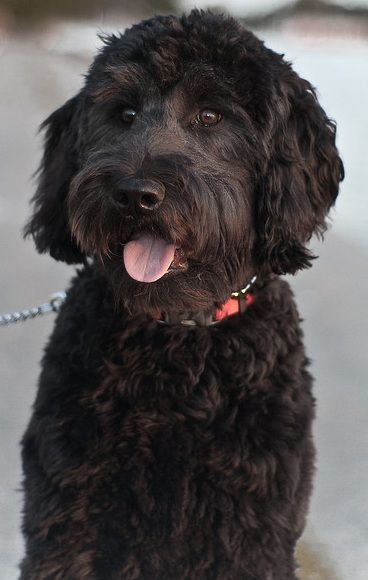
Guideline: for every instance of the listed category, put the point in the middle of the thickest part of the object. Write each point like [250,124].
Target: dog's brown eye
[128,115]
[207,117]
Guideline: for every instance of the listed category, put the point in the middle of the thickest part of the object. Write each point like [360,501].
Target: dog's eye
[128,115]
[207,117]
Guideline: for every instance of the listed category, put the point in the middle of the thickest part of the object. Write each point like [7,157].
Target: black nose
[139,195]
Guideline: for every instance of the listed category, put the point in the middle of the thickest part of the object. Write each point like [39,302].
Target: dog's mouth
[147,259]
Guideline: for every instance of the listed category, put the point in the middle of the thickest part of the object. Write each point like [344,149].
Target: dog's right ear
[49,223]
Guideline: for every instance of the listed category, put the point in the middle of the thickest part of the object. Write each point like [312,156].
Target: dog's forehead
[197,79]
[166,47]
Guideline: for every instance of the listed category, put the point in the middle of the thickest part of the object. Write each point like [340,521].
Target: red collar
[233,306]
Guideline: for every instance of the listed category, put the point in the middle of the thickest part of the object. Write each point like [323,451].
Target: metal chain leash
[53,305]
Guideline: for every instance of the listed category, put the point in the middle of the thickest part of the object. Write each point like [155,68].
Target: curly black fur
[166,452]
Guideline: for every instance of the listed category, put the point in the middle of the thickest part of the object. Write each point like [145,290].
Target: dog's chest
[173,420]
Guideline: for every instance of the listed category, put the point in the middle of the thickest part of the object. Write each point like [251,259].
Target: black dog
[171,434]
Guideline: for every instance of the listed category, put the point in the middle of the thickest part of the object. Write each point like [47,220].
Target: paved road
[332,298]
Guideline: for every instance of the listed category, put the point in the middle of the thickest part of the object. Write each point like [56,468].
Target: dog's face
[192,159]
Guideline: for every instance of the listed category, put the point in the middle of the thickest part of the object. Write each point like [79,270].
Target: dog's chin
[185,287]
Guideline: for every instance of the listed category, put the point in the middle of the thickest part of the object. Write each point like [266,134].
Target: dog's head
[192,159]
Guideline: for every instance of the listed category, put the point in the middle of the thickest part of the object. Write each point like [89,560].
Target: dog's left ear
[300,180]
[49,223]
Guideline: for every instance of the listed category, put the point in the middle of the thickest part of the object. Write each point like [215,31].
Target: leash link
[53,305]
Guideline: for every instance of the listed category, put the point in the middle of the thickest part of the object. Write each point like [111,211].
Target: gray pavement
[36,77]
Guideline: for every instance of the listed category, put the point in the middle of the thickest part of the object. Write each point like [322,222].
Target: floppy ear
[300,180]
[49,222]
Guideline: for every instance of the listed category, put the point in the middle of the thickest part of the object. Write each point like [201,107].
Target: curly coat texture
[172,452]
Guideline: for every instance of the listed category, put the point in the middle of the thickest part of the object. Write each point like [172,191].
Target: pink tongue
[147,259]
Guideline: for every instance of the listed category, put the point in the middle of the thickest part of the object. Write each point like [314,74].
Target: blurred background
[45,47]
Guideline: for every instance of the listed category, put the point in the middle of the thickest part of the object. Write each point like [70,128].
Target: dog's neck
[238,302]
